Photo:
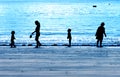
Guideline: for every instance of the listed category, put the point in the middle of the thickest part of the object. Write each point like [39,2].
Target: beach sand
[59,61]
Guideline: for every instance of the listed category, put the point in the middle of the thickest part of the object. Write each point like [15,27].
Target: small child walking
[69,37]
[12,39]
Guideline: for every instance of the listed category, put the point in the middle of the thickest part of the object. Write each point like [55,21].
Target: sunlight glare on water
[56,18]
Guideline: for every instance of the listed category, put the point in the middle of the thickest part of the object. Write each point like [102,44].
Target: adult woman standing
[99,34]
[37,31]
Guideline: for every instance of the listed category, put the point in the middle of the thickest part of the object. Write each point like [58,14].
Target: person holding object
[37,31]
[99,34]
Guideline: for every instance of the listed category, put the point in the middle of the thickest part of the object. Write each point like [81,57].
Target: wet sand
[59,61]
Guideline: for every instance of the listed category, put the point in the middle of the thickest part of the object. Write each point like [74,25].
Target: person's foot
[36,47]
[69,45]
[14,46]
[39,44]
[101,46]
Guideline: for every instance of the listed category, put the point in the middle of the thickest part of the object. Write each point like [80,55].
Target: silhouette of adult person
[37,31]
[99,34]
[69,36]
[12,39]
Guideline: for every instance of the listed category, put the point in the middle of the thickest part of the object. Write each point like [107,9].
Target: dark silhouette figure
[37,30]
[12,39]
[69,37]
[99,34]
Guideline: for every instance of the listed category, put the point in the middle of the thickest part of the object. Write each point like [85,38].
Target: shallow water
[56,18]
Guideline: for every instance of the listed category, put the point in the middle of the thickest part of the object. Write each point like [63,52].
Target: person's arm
[32,34]
[96,33]
[105,33]
[14,37]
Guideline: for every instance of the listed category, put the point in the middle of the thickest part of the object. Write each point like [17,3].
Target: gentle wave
[55,19]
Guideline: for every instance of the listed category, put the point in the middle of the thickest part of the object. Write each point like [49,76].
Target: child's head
[12,32]
[69,30]
[102,24]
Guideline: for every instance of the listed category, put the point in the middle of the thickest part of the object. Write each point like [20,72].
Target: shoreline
[64,45]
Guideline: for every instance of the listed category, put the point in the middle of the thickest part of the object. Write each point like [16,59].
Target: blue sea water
[56,18]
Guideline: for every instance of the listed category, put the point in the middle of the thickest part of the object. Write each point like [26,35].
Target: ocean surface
[56,18]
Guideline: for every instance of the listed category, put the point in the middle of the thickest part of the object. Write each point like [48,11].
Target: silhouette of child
[12,39]
[37,31]
[99,34]
[69,37]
